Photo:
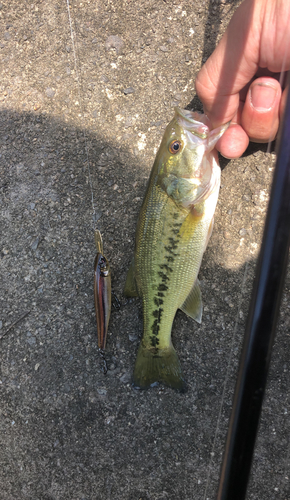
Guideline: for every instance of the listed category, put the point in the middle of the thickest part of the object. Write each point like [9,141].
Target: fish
[102,291]
[173,230]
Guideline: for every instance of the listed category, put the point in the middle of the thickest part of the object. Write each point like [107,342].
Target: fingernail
[224,156]
[262,96]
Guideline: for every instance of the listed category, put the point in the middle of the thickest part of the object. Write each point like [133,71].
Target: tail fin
[161,365]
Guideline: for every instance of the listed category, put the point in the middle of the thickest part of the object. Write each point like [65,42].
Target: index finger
[232,65]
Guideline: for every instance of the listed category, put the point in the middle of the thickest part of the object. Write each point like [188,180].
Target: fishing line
[241,298]
[82,114]
[95,218]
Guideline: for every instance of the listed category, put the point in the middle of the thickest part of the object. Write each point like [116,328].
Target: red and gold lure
[102,291]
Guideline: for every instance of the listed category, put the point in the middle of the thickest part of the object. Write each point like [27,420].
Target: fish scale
[173,230]
[182,261]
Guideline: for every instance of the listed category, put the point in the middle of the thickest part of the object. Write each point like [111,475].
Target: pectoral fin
[130,289]
[209,232]
[192,305]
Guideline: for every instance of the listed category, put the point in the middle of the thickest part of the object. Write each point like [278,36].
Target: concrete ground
[67,430]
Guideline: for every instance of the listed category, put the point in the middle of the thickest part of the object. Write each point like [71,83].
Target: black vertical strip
[260,328]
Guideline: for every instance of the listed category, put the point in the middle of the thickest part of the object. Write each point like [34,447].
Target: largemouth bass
[102,291]
[173,229]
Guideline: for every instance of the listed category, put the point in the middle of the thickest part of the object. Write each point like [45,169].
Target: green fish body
[174,226]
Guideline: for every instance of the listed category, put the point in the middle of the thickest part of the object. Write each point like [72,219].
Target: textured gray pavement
[67,431]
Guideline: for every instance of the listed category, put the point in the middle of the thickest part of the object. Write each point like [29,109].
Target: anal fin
[192,305]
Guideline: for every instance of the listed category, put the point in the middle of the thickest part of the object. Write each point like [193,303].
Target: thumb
[260,115]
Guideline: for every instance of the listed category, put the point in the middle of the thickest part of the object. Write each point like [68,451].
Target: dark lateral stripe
[154,341]
[164,286]
[170,250]
[173,243]
[163,276]
[166,267]
[157,314]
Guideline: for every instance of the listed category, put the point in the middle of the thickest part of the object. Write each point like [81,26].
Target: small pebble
[109,420]
[125,378]
[129,90]
[50,92]
[104,79]
[129,122]
[35,243]
[101,391]
[114,42]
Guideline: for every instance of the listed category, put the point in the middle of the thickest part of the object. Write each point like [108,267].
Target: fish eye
[174,147]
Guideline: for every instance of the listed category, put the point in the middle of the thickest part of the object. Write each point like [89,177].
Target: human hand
[240,80]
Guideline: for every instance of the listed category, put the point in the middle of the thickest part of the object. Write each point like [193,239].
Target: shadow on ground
[67,430]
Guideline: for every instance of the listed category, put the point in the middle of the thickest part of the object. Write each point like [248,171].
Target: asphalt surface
[67,430]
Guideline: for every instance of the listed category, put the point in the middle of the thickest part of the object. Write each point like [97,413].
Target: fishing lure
[102,291]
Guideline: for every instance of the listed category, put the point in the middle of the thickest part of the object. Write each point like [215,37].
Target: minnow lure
[102,291]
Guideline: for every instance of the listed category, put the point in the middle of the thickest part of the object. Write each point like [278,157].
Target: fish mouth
[193,121]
